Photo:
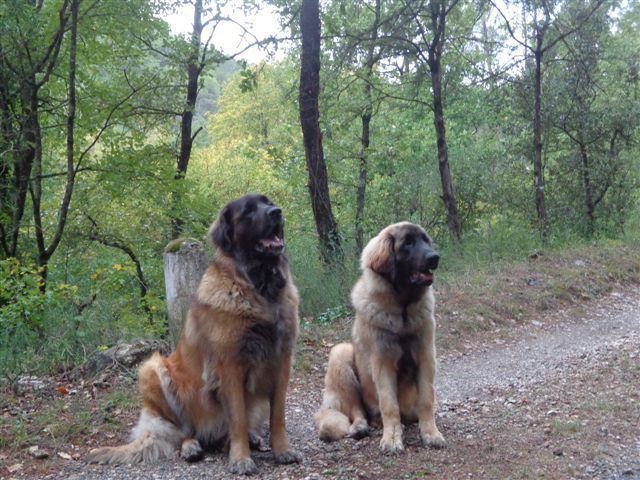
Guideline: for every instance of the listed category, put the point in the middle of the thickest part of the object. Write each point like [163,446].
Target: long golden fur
[388,370]
[230,370]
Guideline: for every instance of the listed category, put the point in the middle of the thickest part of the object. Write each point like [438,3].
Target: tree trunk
[362,179]
[6,145]
[194,68]
[435,55]
[588,190]
[309,121]
[538,170]
[184,265]
[44,252]
[24,159]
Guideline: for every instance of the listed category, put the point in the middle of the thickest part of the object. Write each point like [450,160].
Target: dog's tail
[148,447]
[332,424]
[341,413]
[156,435]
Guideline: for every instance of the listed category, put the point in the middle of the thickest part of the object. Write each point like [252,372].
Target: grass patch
[116,402]
[602,405]
[477,297]
[560,427]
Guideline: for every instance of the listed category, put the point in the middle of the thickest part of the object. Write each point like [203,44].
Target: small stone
[64,455]
[552,413]
[38,454]
[558,452]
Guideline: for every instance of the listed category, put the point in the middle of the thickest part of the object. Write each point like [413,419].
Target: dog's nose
[433,258]
[275,213]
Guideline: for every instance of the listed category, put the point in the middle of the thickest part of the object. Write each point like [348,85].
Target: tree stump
[185,260]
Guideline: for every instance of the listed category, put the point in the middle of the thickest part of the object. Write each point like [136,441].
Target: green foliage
[25,315]
[63,326]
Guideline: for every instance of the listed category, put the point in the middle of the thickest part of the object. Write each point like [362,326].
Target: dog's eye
[246,212]
[425,238]
[408,241]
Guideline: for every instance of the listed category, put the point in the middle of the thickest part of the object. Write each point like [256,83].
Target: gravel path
[549,348]
[545,353]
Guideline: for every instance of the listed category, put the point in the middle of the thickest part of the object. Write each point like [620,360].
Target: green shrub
[59,329]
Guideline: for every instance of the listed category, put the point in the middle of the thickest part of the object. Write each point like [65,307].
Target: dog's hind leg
[342,413]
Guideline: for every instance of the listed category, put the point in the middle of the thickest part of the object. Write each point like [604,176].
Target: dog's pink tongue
[274,242]
[421,276]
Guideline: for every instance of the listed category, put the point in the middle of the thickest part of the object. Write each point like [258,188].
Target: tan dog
[389,368]
[231,367]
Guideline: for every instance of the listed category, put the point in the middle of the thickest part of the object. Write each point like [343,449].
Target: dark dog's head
[250,226]
[402,253]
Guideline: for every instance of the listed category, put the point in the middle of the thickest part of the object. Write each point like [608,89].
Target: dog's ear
[379,254]
[221,231]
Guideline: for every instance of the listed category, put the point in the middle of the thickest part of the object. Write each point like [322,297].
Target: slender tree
[548,31]
[373,53]
[26,66]
[195,64]
[309,93]
[430,20]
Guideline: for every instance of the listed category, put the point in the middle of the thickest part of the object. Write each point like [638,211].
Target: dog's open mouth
[422,278]
[273,244]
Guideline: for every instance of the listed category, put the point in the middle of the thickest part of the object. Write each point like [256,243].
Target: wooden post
[185,260]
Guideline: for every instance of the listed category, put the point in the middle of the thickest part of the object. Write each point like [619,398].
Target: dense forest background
[504,128]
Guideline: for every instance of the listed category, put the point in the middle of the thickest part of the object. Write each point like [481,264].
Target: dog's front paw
[288,456]
[391,442]
[433,439]
[257,443]
[359,429]
[191,451]
[243,466]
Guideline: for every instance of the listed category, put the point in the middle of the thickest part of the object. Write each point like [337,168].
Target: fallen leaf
[14,468]
[63,390]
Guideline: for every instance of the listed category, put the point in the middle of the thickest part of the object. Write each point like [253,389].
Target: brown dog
[231,367]
[389,368]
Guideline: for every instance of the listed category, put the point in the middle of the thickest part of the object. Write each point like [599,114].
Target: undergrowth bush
[58,329]
[323,289]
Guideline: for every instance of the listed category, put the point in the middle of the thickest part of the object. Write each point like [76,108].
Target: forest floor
[551,390]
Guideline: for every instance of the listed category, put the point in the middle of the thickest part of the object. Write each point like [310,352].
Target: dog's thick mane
[268,279]
[268,275]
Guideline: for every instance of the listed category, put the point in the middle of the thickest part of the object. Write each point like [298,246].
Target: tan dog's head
[251,226]
[403,254]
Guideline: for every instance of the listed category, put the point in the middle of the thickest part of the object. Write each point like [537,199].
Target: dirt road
[559,398]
